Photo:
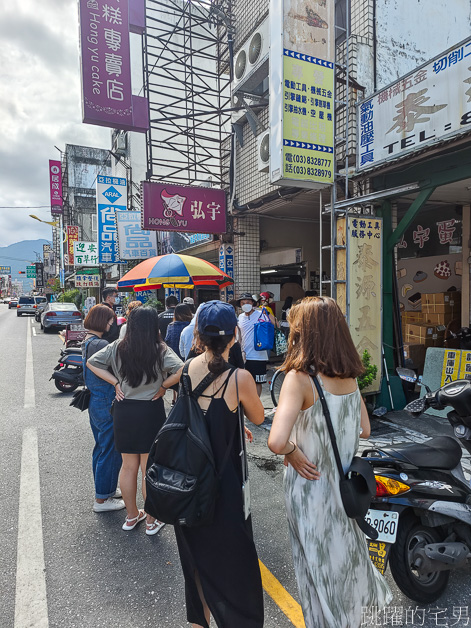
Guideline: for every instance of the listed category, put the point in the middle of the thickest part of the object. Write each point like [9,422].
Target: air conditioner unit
[121,143]
[251,61]
[263,151]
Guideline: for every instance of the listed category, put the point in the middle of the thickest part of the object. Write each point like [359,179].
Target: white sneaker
[117,493]
[108,504]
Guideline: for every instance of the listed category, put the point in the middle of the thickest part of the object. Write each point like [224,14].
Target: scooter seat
[72,351]
[442,452]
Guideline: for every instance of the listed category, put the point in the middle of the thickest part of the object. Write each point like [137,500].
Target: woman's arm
[364,421]
[253,407]
[168,383]
[292,399]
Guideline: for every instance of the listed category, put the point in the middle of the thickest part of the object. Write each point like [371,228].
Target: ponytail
[217,345]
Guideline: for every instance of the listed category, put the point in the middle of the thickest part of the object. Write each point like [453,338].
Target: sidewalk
[392,429]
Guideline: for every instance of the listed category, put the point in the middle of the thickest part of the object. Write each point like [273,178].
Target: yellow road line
[281,597]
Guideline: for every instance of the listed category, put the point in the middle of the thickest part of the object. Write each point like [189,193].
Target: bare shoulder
[296,379]
[243,377]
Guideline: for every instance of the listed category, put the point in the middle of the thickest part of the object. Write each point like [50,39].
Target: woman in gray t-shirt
[141,367]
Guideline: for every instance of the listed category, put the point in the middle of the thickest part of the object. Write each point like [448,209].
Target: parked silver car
[58,315]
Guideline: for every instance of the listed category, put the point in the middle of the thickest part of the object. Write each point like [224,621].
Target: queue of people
[128,379]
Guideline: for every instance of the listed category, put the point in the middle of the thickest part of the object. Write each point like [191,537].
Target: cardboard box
[412,317]
[427,335]
[442,303]
[438,318]
[415,353]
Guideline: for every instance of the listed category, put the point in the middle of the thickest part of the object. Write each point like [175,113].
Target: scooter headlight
[387,486]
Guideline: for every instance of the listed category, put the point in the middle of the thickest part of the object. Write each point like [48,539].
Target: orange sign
[72,236]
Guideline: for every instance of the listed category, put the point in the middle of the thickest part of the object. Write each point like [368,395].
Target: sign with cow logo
[193,209]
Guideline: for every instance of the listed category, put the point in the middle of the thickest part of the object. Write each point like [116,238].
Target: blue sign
[143,295]
[226,264]
[108,192]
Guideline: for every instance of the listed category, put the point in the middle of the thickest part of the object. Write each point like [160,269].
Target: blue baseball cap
[216,314]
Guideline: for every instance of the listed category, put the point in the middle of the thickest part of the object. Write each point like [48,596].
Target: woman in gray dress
[335,576]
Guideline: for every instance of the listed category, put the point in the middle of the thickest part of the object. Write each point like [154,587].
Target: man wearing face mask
[109,298]
[255,361]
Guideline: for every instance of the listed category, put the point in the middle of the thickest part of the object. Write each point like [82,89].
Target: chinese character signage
[226,264]
[86,254]
[5,270]
[72,236]
[421,108]
[87,281]
[132,241]
[39,275]
[55,184]
[364,303]
[193,209]
[111,195]
[301,94]
[31,272]
[107,99]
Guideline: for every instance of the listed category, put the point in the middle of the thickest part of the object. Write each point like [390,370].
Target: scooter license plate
[385,522]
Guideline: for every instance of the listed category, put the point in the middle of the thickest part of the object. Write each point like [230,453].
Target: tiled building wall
[248,14]
[247,254]
[250,183]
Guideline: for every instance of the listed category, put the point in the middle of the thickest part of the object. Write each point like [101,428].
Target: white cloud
[40,108]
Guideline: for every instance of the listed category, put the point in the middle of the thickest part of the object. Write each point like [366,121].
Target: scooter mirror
[408,375]
[416,407]
[381,411]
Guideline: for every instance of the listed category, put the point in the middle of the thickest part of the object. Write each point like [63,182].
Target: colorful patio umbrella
[174,271]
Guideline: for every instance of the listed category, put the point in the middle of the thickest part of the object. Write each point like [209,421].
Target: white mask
[247,307]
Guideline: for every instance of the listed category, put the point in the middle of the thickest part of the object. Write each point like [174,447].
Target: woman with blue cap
[219,561]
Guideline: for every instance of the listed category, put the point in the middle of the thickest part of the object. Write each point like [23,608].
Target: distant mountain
[20,255]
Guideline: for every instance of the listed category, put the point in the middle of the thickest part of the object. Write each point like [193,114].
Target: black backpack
[181,480]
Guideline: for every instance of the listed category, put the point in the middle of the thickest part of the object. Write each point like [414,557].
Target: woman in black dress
[141,368]
[219,561]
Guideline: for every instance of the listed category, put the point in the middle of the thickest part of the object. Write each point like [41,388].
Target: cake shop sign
[183,208]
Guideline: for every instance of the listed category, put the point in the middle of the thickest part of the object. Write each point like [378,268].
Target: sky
[40,107]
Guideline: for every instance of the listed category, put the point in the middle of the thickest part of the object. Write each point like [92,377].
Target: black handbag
[81,399]
[358,484]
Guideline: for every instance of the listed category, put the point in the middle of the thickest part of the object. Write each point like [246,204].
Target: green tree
[70,296]
[370,372]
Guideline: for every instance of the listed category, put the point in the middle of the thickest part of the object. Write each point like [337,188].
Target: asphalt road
[93,574]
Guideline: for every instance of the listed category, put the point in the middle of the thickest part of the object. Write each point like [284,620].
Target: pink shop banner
[107,98]
[183,208]
[55,185]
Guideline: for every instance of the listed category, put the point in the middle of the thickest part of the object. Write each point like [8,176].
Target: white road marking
[33,327]
[29,400]
[30,599]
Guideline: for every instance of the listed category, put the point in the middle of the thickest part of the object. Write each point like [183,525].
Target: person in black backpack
[219,560]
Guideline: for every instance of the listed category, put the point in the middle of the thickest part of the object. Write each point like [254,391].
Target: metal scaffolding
[187,81]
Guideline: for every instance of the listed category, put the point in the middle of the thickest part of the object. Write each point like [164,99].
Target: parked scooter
[463,335]
[422,507]
[68,374]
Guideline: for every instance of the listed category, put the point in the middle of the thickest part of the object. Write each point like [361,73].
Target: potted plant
[368,377]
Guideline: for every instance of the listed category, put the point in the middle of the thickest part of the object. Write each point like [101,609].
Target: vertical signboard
[133,242]
[226,264]
[72,236]
[107,98]
[39,275]
[55,186]
[301,93]
[364,291]
[451,366]
[111,195]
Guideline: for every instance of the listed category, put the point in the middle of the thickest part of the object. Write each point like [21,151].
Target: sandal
[132,522]
[154,527]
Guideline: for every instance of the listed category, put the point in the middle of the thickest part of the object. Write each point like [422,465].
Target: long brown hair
[320,341]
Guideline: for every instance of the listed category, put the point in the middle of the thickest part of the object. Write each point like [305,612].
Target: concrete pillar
[247,254]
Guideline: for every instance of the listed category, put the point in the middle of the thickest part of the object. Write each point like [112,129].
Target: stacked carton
[427,328]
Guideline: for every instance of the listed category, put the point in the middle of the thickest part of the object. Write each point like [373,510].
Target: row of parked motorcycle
[422,506]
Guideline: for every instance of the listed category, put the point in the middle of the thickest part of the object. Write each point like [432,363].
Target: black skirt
[136,424]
